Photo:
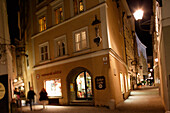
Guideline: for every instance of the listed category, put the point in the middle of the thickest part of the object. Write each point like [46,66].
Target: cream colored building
[6,71]
[161,49]
[65,59]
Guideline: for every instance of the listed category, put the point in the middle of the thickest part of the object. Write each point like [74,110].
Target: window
[61,46]
[59,15]
[42,23]
[41,19]
[44,51]
[84,86]
[122,83]
[80,39]
[53,87]
[57,11]
[78,6]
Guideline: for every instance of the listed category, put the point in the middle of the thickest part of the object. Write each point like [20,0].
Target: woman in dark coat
[43,97]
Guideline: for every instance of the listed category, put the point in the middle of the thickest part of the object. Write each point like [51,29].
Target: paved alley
[145,100]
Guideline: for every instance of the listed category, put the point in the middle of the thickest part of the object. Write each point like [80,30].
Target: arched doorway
[83,86]
[80,87]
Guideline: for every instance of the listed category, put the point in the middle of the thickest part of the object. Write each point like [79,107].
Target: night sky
[12,8]
[144,36]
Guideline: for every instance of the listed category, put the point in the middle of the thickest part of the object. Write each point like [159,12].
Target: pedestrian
[30,97]
[43,97]
[17,97]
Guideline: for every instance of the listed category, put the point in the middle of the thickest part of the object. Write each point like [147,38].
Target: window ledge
[45,61]
[81,51]
[61,57]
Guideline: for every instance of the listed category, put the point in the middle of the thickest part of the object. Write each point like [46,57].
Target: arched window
[83,86]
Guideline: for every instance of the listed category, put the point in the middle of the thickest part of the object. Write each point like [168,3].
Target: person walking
[43,97]
[30,96]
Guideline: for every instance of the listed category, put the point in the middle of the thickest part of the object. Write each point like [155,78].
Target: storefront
[80,87]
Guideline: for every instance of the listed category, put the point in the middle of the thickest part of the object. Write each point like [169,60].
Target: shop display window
[84,85]
[53,87]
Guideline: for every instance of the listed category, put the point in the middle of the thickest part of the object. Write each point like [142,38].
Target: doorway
[80,87]
[83,86]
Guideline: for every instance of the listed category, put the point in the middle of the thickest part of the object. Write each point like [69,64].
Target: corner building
[74,68]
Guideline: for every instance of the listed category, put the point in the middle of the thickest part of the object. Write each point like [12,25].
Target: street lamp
[96,23]
[138,14]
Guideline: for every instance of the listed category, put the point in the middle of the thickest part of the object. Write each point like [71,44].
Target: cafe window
[53,87]
[84,86]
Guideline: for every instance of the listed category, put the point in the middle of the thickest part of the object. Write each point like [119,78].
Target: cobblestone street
[145,100]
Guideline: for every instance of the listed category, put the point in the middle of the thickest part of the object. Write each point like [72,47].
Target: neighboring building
[5,60]
[142,61]
[76,50]
[161,49]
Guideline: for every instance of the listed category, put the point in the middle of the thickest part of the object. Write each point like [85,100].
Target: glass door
[84,86]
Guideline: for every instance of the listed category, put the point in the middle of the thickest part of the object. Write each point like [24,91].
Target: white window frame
[41,13]
[87,38]
[55,5]
[55,44]
[72,7]
[48,51]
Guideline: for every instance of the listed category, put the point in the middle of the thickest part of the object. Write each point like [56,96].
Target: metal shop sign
[100,82]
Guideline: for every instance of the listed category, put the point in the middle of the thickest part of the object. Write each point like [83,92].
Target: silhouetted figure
[43,97]
[30,96]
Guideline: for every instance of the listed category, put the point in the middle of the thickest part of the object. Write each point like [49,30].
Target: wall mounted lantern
[96,23]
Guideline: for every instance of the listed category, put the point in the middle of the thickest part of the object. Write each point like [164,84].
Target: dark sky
[144,36]
[12,8]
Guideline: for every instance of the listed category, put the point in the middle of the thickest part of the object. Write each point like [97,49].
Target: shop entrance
[80,87]
[83,86]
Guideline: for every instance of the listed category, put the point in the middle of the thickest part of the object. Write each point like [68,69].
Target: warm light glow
[22,84]
[156,59]
[151,70]
[149,75]
[15,80]
[138,14]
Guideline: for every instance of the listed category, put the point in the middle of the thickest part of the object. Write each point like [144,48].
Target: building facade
[142,62]
[6,71]
[161,48]
[76,51]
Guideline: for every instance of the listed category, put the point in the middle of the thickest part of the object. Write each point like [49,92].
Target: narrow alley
[144,100]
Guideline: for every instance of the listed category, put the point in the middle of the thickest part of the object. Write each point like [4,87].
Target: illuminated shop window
[53,87]
[42,23]
[80,40]
[59,15]
[78,6]
[122,83]
[84,85]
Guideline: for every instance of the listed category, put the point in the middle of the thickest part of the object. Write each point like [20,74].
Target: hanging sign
[2,91]
[100,82]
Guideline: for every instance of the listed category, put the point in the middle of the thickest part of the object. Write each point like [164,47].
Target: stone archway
[80,87]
